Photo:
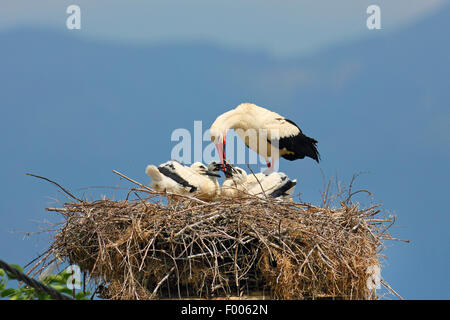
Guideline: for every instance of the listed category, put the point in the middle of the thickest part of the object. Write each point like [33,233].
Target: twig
[262,189]
[58,185]
[40,287]
[160,282]
[386,285]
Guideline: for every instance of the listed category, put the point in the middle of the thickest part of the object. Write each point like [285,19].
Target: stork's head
[230,171]
[219,129]
[200,168]
[238,175]
[218,138]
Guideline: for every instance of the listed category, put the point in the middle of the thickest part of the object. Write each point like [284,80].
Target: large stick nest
[148,249]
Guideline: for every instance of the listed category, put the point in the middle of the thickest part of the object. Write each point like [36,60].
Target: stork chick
[274,185]
[176,178]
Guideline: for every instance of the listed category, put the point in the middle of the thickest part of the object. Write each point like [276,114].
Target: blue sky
[78,104]
[282,28]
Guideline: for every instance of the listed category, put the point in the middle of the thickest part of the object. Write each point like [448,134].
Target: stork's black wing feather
[282,190]
[175,177]
[299,145]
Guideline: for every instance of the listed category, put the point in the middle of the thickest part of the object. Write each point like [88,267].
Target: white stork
[235,180]
[209,187]
[253,123]
[176,178]
[274,185]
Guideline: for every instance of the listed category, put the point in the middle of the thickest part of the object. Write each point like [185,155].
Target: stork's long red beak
[221,150]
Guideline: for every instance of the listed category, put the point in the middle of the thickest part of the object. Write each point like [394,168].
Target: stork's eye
[215,139]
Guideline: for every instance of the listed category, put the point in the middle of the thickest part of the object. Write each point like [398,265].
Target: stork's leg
[273,167]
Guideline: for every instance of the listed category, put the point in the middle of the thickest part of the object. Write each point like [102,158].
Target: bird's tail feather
[311,149]
[153,172]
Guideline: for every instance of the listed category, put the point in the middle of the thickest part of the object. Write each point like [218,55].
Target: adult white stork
[265,132]
[176,178]
[274,185]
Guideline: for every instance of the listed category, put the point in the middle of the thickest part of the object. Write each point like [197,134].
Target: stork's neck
[233,119]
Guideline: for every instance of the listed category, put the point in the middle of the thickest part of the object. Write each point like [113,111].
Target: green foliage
[56,281]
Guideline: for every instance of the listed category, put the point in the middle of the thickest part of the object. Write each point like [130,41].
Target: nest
[150,248]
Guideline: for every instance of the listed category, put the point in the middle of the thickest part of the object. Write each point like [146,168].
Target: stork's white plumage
[163,183]
[235,183]
[209,187]
[176,178]
[273,185]
[265,132]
